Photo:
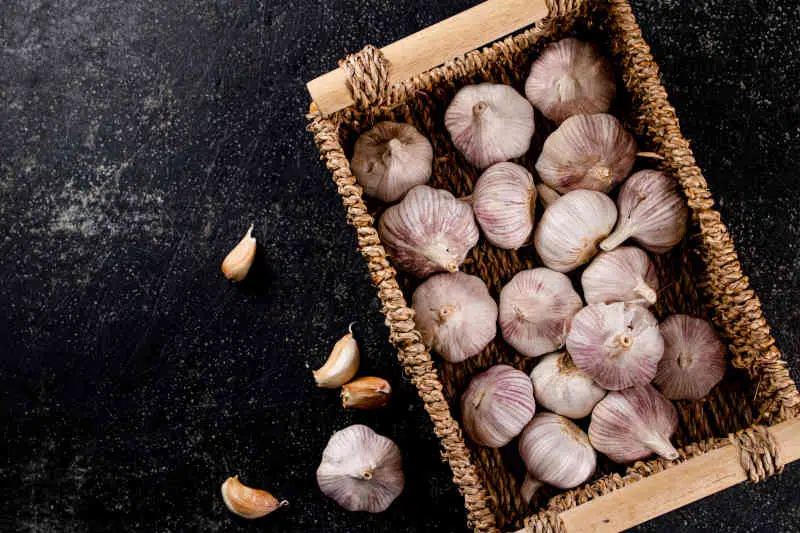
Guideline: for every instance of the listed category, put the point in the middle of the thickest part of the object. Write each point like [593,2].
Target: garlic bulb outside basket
[504,201]
[624,274]
[563,388]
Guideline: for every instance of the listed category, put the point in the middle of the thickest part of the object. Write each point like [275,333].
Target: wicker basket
[745,429]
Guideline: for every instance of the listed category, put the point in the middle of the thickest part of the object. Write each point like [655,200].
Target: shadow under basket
[746,427]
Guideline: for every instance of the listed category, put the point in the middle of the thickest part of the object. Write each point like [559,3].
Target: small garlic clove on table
[504,202]
[563,388]
[624,274]
[248,502]
[342,363]
[237,263]
[366,393]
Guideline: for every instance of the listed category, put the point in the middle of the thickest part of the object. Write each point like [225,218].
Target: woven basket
[739,431]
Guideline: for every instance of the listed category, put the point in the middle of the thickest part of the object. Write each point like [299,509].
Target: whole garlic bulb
[587,152]
[497,405]
[625,274]
[390,159]
[536,307]
[455,315]
[563,388]
[651,211]
[429,231]
[619,345]
[361,470]
[490,123]
[631,424]
[694,358]
[504,201]
[570,77]
[570,229]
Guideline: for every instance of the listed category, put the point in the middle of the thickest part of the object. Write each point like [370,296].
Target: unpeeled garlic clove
[342,363]
[366,393]
[490,123]
[651,211]
[504,201]
[563,388]
[633,423]
[390,159]
[237,263]
[624,274]
[571,228]
[455,314]
[547,194]
[248,502]
[536,307]
[694,358]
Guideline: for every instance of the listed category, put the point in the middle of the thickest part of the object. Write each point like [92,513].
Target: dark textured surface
[138,140]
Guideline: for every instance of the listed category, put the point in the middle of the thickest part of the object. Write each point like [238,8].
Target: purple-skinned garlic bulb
[625,274]
[563,388]
[504,200]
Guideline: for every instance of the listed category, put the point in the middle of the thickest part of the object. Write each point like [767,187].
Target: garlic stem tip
[350,326]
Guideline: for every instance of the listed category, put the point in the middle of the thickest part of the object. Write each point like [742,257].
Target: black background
[140,138]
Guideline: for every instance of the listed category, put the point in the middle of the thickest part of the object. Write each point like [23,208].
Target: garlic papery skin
[624,274]
[429,231]
[570,229]
[237,263]
[391,159]
[618,345]
[366,393]
[570,77]
[651,211]
[248,502]
[587,152]
[490,123]
[455,314]
[694,358]
[563,388]
[504,201]
[342,363]
[547,194]
[497,405]
[361,470]
[634,423]
[557,452]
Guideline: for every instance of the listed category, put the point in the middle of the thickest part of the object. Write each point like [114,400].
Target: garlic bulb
[391,159]
[455,315]
[563,388]
[536,307]
[694,358]
[570,77]
[631,424]
[361,470]
[625,274]
[556,452]
[237,263]
[618,345]
[497,405]
[504,201]
[248,502]
[342,363]
[490,123]
[547,194]
[567,235]
[651,211]
[429,231]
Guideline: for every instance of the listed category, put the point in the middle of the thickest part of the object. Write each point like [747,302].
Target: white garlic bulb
[563,388]
[536,307]
[490,123]
[570,77]
[497,405]
[619,345]
[557,452]
[694,358]
[625,274]
[547,194]
[391,159]
[361,470]
[570,229]
[504,201]
[651,211]
[631,424]
[455,315]
[429,231]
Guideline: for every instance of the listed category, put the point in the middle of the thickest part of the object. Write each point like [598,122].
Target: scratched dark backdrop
[138,139]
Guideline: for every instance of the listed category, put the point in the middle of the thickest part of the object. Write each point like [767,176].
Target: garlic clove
[536,307]
[694,358]
[391,159]
[563,388]
[625,274]
[504,201]
[248,502]
[570,77]
[497,405]
[490,123]
[237,263]
[570,229]
[361,470]
[634,423]
[618,345]
[547,194]
[366,393]
[455,314]
[651,211]
[429,231]
[342,363]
